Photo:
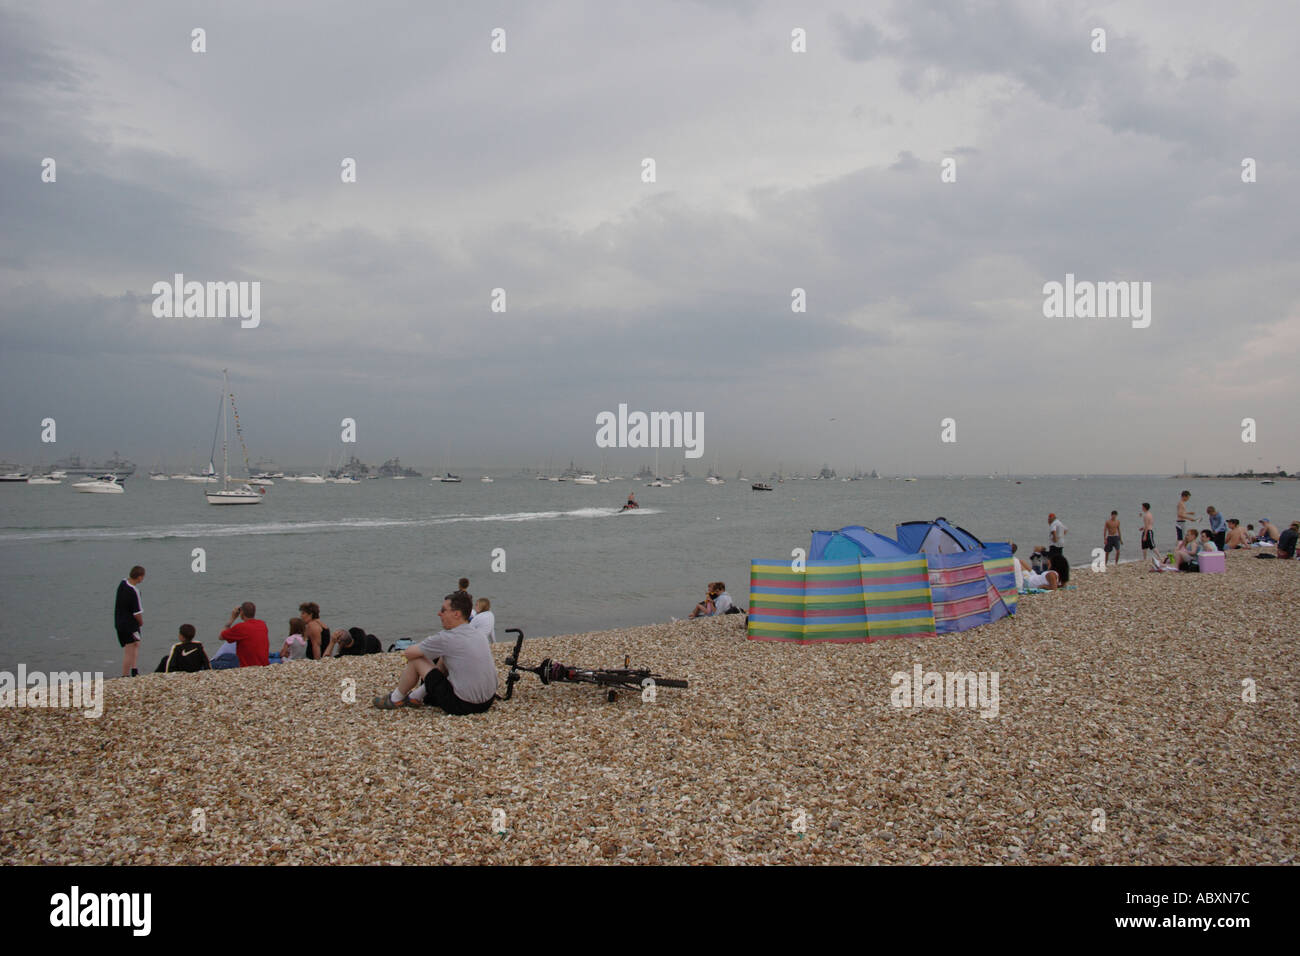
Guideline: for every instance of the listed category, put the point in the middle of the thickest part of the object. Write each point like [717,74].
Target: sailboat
[242,494]
[658,482]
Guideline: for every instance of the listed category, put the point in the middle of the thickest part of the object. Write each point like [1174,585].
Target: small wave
[195,530]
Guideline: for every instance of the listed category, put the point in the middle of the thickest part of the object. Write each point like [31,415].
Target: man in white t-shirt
[455,669]
[1056,549]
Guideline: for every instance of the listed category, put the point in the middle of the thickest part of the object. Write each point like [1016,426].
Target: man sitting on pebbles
[454,669]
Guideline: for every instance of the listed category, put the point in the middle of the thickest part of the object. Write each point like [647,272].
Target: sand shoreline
[1123,696]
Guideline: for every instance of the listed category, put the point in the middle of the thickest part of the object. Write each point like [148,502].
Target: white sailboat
[242,494]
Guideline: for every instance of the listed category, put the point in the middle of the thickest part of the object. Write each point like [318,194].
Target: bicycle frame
[549,671]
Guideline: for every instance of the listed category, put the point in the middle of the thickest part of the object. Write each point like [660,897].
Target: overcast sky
[775,170]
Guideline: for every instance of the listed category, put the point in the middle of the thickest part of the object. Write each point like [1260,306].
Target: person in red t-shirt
[250,637]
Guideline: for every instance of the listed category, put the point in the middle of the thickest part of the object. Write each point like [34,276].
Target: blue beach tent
[852,542]
[936,537]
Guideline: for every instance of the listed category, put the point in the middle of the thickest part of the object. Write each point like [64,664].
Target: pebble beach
[1121,737]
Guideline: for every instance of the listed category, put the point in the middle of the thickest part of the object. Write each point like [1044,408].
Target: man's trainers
[385,702]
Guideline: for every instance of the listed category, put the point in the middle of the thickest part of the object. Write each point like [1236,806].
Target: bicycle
[553,672]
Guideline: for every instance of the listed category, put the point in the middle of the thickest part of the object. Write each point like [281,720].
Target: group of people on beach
[246,638]
[716,601]
[1049,570]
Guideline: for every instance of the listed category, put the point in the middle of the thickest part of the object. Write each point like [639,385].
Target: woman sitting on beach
[295,645]
[1187,549]
[316,633]
[707,608]
[1207,542]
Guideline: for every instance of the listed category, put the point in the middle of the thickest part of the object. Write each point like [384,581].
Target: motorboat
[486,479]
[312,479]
[103,485]
[761,486]
[44,480]
[586,480]
[449,478]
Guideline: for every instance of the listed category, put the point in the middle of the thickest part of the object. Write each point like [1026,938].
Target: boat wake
[197,530]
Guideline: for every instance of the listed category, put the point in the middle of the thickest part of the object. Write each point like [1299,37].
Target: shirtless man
[1268,532]
[1148,532]
[1184,515]
[1236,536]
[1112,537]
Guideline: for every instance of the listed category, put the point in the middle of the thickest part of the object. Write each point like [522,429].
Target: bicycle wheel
[668,682]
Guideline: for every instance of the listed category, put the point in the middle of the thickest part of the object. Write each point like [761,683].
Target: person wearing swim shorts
[1148,532]
[1112,537]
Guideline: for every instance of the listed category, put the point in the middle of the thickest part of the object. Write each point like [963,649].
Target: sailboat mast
[225,431]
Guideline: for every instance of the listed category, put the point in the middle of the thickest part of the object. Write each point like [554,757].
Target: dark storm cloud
[522,172]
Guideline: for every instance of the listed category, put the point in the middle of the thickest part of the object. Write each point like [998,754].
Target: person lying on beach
[352,641]
[1236,536]
[1286,541]
[1027,577]
[187,655]
[295,645]
[453,670]
[1186,553]
[316,633]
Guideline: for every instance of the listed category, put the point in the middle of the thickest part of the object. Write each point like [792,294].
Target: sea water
[381,554]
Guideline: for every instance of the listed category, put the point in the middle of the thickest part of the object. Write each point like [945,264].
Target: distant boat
[586,480]
[486,479]
[103,485]
[114,466]
[761,486]
[449,478]
[44,480]
[241,494]
[15,477]
[1268,481]
[714,480]
[312,479]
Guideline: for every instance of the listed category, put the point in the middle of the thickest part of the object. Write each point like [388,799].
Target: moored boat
[103,485]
